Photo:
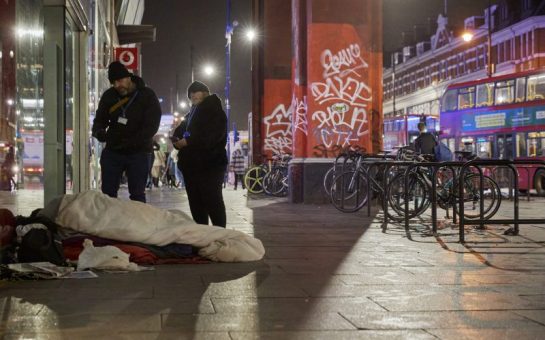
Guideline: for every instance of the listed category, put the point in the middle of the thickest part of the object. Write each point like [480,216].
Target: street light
[209,70]
[250,34]
[468,36]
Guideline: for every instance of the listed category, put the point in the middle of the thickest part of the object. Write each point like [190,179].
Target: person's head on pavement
[120,78]
[197,92]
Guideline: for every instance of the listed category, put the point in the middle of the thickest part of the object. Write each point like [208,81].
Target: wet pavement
[326,275]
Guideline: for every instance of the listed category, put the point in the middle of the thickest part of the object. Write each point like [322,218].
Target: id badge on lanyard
[123,118]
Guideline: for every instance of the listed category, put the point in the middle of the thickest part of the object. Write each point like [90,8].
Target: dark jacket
[425,143]
[143,119]
[207,138]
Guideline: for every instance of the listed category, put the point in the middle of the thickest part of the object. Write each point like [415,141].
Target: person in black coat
[425,142]
[202,158]
[127,118]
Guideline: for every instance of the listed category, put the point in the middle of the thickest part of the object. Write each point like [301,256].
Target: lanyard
[128,104]
[190,116]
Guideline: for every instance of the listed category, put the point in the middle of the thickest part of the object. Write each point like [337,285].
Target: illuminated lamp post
[468,36]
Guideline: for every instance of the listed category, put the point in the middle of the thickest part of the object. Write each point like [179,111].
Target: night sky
[182,23]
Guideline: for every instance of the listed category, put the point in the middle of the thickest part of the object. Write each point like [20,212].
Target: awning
[130,34]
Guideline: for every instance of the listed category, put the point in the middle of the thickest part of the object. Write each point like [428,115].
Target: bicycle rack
[481,221]
[434,166]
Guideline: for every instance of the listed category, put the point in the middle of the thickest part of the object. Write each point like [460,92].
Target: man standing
[425,142]
[127,118]
[201,140]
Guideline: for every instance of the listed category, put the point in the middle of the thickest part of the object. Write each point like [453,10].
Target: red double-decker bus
[499,117]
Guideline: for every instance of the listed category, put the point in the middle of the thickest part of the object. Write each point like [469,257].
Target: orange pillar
[331,100]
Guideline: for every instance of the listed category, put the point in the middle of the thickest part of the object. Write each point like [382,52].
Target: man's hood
[138,81]
[211,102]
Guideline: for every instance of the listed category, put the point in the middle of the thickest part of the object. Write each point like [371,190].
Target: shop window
[505,92]
[485,94]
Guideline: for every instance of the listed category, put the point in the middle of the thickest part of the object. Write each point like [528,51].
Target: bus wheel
[539,182]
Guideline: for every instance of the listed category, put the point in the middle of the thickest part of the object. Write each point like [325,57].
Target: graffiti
[341,100]
[278,145]
[349,57]
[339,125]
[299,107]
[278,134]
[349,90]
[335,150]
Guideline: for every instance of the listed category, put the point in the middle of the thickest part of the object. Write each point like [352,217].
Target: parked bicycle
[270,177]
[275,182]
[447,191]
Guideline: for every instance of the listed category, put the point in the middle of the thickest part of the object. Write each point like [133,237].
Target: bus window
[536,87]
[520,148]
[536,144]
[449,100]
[485,94]
[483,147]
[467,144]
[466,98]
[520,94]
[505,92]
[504,143]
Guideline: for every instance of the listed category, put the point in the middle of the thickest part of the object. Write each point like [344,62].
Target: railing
[459,169]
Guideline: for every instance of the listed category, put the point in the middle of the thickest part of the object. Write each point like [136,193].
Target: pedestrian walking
[201,140]
[238,166]
[159,161]
[7,171]
[127,118]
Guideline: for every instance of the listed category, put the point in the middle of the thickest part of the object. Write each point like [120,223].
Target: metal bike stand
[516,221]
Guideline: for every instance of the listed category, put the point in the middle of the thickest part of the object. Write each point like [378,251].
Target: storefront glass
[29,102]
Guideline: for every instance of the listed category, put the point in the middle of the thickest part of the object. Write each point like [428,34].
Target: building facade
[53,57]
[507,37]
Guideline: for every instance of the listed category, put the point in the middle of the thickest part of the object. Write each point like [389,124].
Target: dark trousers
[241,178]
[136,168]
[205,196]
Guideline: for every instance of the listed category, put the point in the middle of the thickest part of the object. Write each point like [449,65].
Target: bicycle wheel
[349,191]
[418,196]
[337,168]
[328,180]
[253,179]
[472,196]
[275,182]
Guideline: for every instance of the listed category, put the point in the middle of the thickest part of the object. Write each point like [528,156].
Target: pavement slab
[325,275]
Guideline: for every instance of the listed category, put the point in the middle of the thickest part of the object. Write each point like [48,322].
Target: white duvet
[94,213]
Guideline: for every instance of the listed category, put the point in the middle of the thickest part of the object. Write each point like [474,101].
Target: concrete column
[324,95]
[342,85]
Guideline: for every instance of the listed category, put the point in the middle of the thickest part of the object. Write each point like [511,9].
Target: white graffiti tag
[349,90]
[278,134]
[340,126]
[346,97]
[300,108]
[278,145]
[344,62]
